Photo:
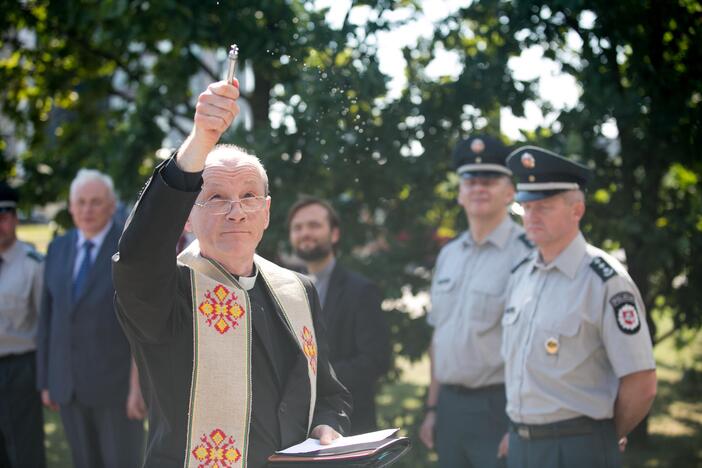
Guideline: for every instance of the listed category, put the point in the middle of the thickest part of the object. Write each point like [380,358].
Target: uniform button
[283,407]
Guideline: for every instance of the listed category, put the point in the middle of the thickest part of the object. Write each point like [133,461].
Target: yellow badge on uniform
[551,346]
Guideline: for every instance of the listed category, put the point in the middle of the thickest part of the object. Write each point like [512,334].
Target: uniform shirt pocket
[444,295]
[561,342]
[13,306]
[487,307]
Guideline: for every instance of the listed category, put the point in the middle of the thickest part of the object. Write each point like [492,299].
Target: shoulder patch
[522,262]
[603,269]
[525,240]
[34,255]
[624,305]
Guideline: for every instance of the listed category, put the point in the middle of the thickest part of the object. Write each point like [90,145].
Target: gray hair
[85,176]
[221,154]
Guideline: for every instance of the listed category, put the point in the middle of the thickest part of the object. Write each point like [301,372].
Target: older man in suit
[84,362]
[359,344]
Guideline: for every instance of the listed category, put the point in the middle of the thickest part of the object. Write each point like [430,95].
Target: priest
[230,347]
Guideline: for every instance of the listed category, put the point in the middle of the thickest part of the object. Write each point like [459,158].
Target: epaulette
[522,262]
[34,255]
[525,240]
[603,269]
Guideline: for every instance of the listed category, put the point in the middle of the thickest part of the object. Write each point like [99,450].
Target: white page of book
[312,445]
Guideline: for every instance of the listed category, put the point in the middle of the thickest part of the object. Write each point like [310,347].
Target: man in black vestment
[184,316]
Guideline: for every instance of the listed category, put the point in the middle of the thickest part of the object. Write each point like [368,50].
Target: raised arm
[216,109]
[145,271]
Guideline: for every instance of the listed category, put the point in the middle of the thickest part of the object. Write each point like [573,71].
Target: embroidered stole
[219,415]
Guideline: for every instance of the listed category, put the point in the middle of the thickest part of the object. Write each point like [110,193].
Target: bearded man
[359,346]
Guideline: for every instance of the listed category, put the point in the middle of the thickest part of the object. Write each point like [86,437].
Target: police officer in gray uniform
[465,408]
[21,269]
[580,372]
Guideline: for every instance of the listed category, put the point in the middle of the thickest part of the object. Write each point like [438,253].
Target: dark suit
[359,343]
[83,357]
[154,304]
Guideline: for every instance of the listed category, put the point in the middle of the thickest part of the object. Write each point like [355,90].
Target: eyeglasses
[222,207]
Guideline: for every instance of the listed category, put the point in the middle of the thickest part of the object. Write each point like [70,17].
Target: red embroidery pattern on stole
[216,452]
[309,348]
[220,310]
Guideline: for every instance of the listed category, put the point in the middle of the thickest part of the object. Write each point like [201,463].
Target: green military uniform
[571,330]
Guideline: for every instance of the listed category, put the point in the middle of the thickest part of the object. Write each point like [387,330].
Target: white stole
[219,415]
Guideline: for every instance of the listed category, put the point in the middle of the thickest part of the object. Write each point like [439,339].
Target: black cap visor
[535,195]
[482,174]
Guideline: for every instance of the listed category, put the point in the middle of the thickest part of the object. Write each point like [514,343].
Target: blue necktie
[82,276]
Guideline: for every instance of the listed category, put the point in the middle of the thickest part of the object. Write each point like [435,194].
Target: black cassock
[154,305]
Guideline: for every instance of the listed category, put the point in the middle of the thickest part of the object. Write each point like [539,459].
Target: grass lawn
[38,235]
[675,425]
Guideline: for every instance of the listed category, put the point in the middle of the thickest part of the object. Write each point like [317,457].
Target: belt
[12,357]
[569,427]
[475,391]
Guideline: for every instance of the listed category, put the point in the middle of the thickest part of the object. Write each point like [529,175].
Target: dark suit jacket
[359,342]
[81,349]
[154,304]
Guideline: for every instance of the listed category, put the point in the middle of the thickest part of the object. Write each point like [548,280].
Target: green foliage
[101,83]
[639,71]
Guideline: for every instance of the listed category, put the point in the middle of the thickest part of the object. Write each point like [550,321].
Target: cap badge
[477,146]
[551,346]
[528,161]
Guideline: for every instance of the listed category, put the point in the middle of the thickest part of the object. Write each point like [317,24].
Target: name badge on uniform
[552,346]
[510,316]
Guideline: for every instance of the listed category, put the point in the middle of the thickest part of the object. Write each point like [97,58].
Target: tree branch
[202,65]
[172,121]
[666,335]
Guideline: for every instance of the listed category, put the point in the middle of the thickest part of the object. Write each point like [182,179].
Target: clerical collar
[248,282]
